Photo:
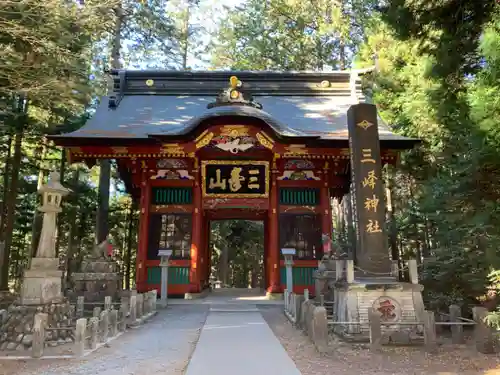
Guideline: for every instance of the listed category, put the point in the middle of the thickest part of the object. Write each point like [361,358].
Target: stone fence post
[113,322]
[457,331]
[97,312]
[133,308]
[94,332]
[483,334]
[299,300]
[122,323]
[139,303]
[306,294]
[104,326]
[80,306]
[319,329]
[430,331]
[146,303]
[154,300]
[107,303]
[80,336]
[375,329]
[349,271]
[39,324]
[339,269]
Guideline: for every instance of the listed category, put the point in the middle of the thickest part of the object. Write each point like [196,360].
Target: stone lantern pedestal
[42,281]
[41,289]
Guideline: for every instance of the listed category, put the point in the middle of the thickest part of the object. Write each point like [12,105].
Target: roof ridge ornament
[234,95]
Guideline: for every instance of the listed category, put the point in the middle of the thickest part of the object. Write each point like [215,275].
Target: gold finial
[325,84]
[234,82]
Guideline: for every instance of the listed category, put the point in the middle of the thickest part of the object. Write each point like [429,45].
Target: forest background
[437,78]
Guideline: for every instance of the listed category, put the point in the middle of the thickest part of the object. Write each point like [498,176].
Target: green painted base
[203,294]
[274,296]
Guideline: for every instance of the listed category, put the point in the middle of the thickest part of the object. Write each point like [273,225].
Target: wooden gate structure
[197,146]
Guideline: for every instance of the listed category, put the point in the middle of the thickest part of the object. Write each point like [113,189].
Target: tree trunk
[62,171]
[36,226]
[12,196]
[72,231]
[5,185]
[102,225]
[128,258]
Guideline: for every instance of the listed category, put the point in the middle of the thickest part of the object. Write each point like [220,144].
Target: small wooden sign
[235,179]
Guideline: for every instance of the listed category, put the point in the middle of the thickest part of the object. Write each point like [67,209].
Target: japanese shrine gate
[197,146]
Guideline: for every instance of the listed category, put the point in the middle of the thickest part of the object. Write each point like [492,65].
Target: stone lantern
[42,281]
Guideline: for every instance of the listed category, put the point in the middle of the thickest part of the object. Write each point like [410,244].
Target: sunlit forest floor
[358,359]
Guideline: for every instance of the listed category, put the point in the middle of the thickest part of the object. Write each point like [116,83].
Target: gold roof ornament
[235,94]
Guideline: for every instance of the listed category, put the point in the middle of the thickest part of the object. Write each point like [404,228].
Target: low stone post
[375,329]
[299,300]
[97,312]
[80,336]
[413,271]
[483,334]
[339,269]
[321,300]
[122,318]
[113,322]
[125,301]
[94,332]
[80,306]
[457,330]
[107,303]
[319,329]
[139,303]
[133,308]
[38,344]
[154,300]
[349,272]
[306,294]
[430,331]
[104,326]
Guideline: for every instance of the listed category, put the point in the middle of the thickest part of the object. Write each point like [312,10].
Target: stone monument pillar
[369,281]
[42,281]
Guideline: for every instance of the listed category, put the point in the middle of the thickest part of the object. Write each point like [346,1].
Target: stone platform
[98,278]
[16,331]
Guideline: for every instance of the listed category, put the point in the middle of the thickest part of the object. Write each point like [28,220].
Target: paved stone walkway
[162,346]
[236,340]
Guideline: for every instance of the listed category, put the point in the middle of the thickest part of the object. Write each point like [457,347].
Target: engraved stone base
[397,302]
[42,283]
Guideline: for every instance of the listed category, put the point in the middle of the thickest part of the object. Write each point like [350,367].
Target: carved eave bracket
[234,95]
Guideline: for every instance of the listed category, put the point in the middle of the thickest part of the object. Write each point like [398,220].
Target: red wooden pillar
[273,263]
[196,238]
[141,273]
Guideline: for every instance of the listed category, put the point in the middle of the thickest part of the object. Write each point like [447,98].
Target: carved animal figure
[234,146]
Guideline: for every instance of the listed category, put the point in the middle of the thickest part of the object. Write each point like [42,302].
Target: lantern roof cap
[54,185]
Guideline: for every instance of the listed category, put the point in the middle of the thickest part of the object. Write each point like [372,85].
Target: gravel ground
[162,346]
[357,359]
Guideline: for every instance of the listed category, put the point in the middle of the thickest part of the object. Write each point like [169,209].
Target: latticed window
[170,231]
[303,233]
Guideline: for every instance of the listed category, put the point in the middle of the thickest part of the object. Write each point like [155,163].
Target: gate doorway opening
[237,249]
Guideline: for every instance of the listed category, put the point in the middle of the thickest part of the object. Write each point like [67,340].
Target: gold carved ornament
[205,140]
[172,149]
[265,140]
[234,131]
[235,180]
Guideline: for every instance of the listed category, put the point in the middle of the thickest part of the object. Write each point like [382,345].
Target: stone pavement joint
[239,343]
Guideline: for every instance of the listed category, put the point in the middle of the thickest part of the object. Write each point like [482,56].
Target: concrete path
[236,340]
[162,346]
